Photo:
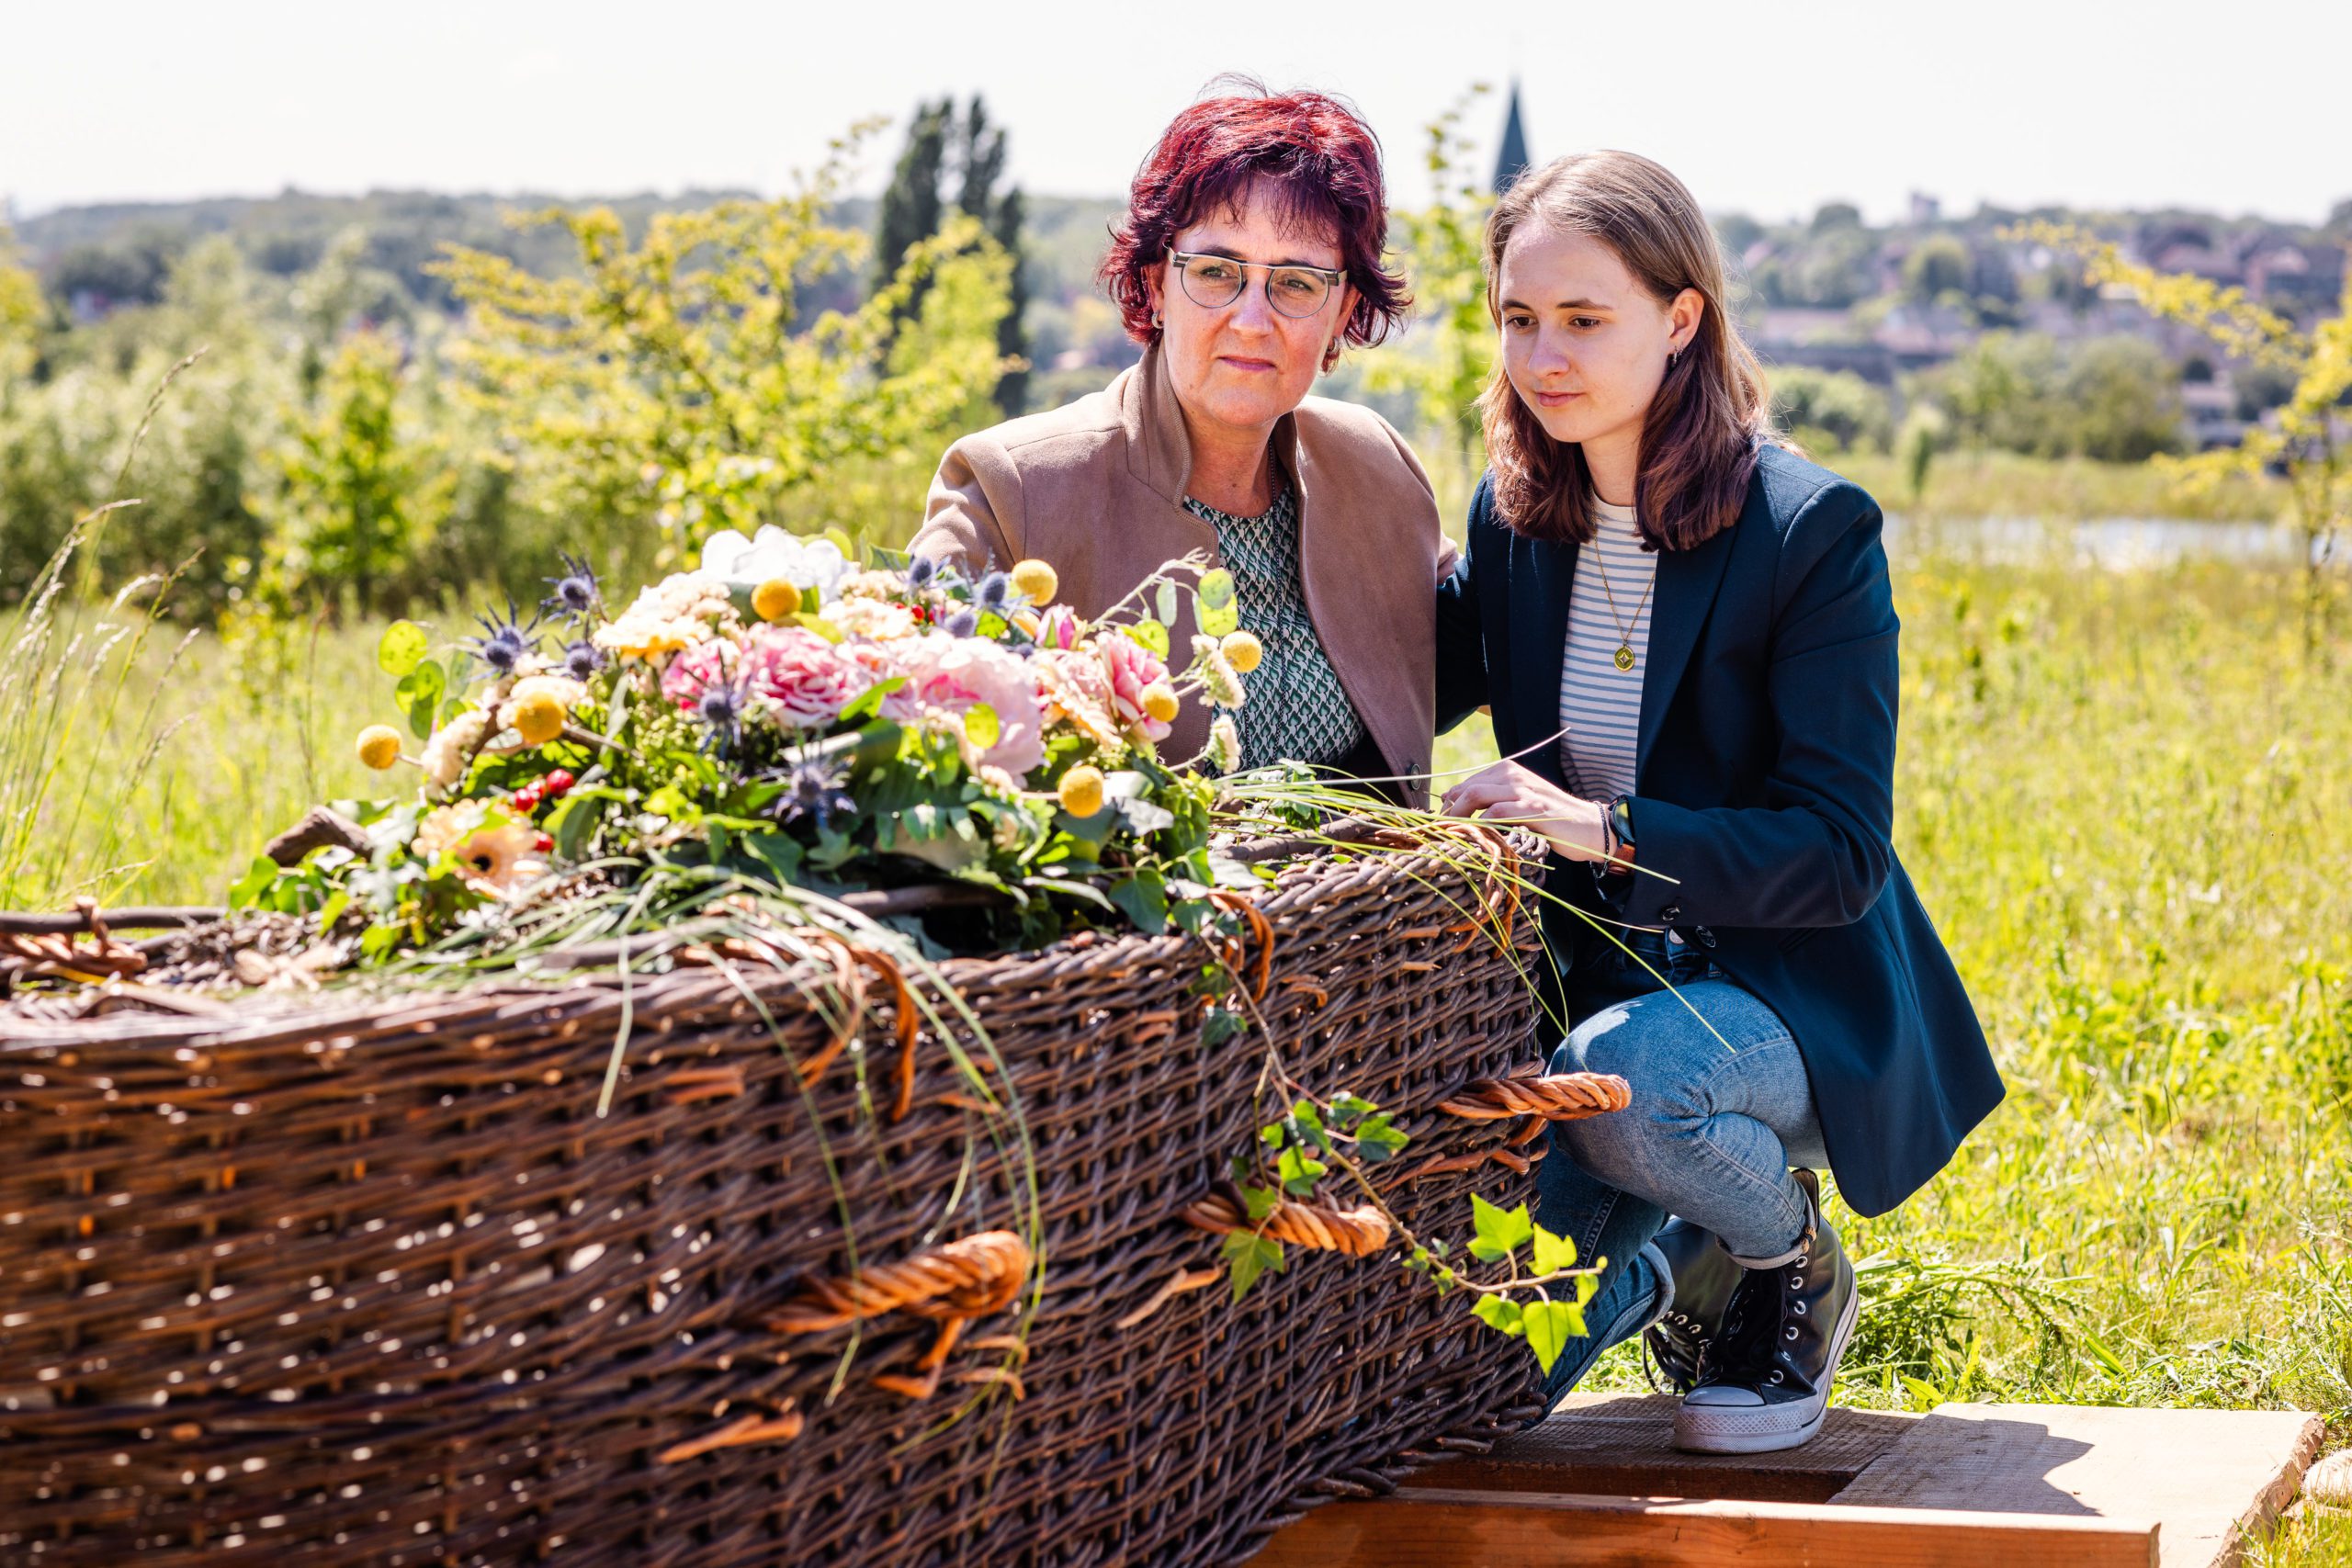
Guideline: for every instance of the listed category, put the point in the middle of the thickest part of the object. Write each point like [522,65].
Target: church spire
[1512,161]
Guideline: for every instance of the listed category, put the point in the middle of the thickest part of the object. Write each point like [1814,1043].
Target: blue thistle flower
[575,591]
[581,659]
[721,708]
[993,591]
[963,623]
[504,642]
[814,794]
[920,570]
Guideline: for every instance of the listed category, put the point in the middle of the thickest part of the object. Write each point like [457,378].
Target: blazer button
[1671,915]
[1707,938]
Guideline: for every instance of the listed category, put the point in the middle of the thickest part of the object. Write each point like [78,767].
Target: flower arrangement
[785,715]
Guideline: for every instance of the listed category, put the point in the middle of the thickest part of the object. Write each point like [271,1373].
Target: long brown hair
[1699,436]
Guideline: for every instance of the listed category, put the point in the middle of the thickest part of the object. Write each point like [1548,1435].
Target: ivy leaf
[1501,1312]
[1250,1255]
[1553,1252]
[1220,1025]
[1151,634]
[1499,1231]
[1142,898]
[1348,1107]
[1166,604]
[1259,1202]
[401,648]
[1298,1172]
[1379,1139]
[1550,1325]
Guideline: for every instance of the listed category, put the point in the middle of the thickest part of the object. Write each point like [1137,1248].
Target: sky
[1770,109]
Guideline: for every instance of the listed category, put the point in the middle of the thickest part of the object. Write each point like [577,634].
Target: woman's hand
[1513,794]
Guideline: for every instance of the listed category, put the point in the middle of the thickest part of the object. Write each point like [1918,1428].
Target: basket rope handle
[970,1277]
[1358,1232]
[1555,1097]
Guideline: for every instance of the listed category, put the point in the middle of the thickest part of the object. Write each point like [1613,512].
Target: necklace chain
[1624,660]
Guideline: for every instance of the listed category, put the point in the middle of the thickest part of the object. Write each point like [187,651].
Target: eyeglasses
[1212,282]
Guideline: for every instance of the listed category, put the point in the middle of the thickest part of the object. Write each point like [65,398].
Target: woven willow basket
[329,1283]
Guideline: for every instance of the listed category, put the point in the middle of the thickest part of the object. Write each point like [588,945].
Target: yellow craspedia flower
[774,600]
[1036,581]
[380,746]
[538,717]
[1243,650]
[1159,701]
[1081,790]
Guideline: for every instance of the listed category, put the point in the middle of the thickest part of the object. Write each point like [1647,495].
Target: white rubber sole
[1764,1429]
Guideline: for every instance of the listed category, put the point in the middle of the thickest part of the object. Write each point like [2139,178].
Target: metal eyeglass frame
[1332,278]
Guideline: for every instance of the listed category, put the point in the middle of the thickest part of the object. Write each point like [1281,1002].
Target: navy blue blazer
[1764,785]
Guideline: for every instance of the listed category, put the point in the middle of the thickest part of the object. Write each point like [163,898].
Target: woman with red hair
[1248,258]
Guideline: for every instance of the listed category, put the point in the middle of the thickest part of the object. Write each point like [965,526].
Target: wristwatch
[1621,830]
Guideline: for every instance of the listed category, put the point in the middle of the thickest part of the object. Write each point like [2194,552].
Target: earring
[1673,357]
[1331,356]
[1156,321]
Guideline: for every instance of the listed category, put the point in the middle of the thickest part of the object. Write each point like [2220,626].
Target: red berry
[555,783]
[543,843]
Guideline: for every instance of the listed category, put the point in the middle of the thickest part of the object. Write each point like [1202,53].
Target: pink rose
[697,668]
[1132,667]
[804,678]
[949,675]
[791,671]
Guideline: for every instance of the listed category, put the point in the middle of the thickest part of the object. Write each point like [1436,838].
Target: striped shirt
[1600,705]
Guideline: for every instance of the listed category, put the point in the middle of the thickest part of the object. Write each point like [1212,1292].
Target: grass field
[2127,799]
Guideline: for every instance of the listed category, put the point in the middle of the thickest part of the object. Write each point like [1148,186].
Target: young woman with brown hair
[1687,637]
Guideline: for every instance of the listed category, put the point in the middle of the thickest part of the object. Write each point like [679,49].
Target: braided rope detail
[1555,1097]
[1358,1232]
[969,1277]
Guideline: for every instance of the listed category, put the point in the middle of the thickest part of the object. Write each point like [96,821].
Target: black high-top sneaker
[1766,1385]
[1704,1277]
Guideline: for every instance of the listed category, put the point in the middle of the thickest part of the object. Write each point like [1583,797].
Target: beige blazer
[1097,489]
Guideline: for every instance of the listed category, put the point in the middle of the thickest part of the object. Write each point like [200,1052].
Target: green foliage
[2305,435]
[1937,265]
[1831,411]
[359,497]
[2110,399]
[22,316]
[678,372]
[1445,362]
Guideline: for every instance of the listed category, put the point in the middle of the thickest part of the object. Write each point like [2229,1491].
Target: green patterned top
[1297,709]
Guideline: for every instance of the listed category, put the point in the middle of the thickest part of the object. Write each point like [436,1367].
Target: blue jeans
[1714,1126]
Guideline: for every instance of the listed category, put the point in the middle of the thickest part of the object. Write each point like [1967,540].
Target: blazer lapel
[1687,580]
[1542,618]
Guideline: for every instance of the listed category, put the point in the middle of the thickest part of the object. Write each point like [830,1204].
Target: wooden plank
[2210,1477]
[1622,1444]
[1523,1529]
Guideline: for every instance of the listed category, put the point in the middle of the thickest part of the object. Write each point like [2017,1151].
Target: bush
[2113,399]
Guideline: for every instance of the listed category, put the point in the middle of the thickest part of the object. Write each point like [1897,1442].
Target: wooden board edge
[1529,1529]
[2262,1514]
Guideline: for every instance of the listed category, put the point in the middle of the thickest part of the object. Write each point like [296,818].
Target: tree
[910,206]
[678,372]
[940,143]
[360,495]
[2124,397]
[2307,436]
[1441,247]
[22,313]
[1833,409]
[1937,266]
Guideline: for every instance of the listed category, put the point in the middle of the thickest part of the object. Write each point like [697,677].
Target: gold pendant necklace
[1624,658]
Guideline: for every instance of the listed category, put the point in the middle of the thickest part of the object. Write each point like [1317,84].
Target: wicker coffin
[341,1283]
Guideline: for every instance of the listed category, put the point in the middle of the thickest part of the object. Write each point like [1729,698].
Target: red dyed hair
[1313,151]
